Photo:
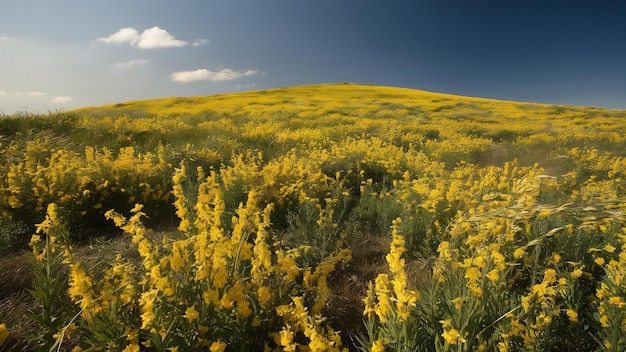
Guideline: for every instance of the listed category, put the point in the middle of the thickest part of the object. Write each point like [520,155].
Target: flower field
[321,218]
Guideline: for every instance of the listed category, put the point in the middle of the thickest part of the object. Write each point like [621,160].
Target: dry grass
[16,278]
[15,302]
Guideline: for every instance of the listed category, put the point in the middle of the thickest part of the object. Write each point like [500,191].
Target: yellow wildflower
[526,303]
[453,337]
[616,301]
[604,320]
[4,333]
[378,346]
[218,346]
[549,276]
[191,314]
[476,290]
[493,275]
[211,296]
[503,347]
[472,273]
[369,301]
[131,348]
[286,339]
[572,315]
[265,294]
[458,302]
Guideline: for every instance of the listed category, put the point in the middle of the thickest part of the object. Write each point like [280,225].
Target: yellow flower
[604,320]
[453,337]
[549,276]
[382,294]
[4,333]
[173,349]
[191,314]
[218,346]
[572,315]
[518,253]
[370,302]
[576,273]
[599,261]
[493,275]
[476,290]
[378,346]
[472,273]
[503,347]
[458,302]
[286,339]
[616,301]
[131,348]
[609,248]
[446,324]
[526,303]
[264,294]
[243,309]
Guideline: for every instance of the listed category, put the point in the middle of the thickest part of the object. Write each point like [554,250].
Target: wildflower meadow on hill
[316,218]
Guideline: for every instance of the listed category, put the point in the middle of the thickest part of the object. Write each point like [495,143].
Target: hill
[258,218]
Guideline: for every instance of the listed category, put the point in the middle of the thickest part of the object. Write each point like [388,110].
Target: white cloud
[61,99]
[156,37]
[3,38]
[124,35]
[36,93]
[203,74]
[3,92]
[131,63]
[151,38]
[200,42]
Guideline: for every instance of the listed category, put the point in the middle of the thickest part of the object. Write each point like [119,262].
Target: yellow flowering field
[317,218]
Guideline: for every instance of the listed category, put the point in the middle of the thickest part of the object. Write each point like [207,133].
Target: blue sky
[65,54]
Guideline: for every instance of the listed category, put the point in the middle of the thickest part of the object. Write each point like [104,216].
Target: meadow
[321,218]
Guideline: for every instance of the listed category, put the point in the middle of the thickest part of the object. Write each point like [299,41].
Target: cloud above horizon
[61,99]
[36,93]
[200,42]
[3,92]
[203,74]
[150,38]
[131,63]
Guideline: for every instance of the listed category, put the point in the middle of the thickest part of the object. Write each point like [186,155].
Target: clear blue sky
[64,54]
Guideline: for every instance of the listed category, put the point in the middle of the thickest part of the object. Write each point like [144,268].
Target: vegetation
[322,217]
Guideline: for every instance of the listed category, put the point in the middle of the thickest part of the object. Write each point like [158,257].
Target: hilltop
[452,127]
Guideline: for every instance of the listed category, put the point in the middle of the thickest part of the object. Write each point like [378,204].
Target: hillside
[258,218]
